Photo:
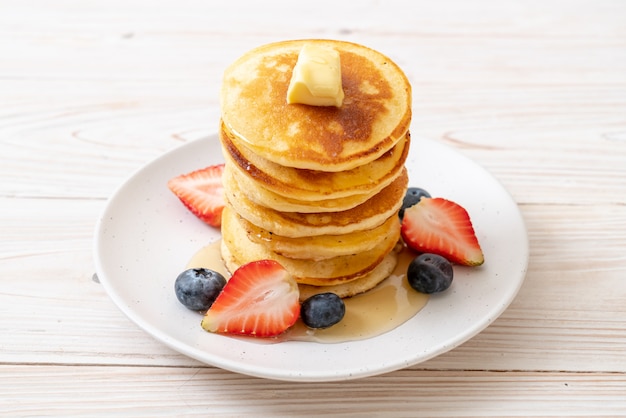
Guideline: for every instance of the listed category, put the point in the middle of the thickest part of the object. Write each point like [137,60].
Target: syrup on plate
[368,315]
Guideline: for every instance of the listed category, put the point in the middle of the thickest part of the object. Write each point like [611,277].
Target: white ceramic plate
[145,237]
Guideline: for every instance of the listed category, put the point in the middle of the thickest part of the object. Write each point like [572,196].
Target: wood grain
[102,391]
[535,91]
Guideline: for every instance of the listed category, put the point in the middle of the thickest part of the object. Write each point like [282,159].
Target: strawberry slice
[440,226]
[201,191]
[261,299]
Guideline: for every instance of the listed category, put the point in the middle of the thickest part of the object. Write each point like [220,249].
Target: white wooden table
[535,91]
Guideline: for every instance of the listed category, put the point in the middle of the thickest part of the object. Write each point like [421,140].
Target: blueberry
[412,197]
[198,288]
[430,273]
[322,310]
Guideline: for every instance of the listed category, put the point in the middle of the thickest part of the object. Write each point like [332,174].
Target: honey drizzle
[368,315]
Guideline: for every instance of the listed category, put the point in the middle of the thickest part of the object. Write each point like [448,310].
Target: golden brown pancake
[320,247]
[358,286]
[343,290]
[313,185]
[316,188]
[367,215]
[259,195]
[375,114]
[330,271]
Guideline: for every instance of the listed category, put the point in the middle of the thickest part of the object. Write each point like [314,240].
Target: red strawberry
[261,299]
[440,226]
[201,191]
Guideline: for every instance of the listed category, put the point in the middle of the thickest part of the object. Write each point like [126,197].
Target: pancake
[367,215]
[330,271]
[316,188]
[320,247]
[261,196]
[343,290]
[312,185]
[374,116]
[358,286]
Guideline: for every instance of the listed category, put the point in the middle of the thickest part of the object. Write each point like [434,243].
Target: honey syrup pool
[368,315]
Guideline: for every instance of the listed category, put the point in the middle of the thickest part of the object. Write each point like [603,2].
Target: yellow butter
[316,78]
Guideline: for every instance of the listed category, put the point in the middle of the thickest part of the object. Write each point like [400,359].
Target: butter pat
[316,78]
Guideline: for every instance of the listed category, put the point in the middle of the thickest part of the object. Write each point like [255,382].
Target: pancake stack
[316,188]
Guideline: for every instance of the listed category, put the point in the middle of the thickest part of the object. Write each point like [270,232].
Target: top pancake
[375,114]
